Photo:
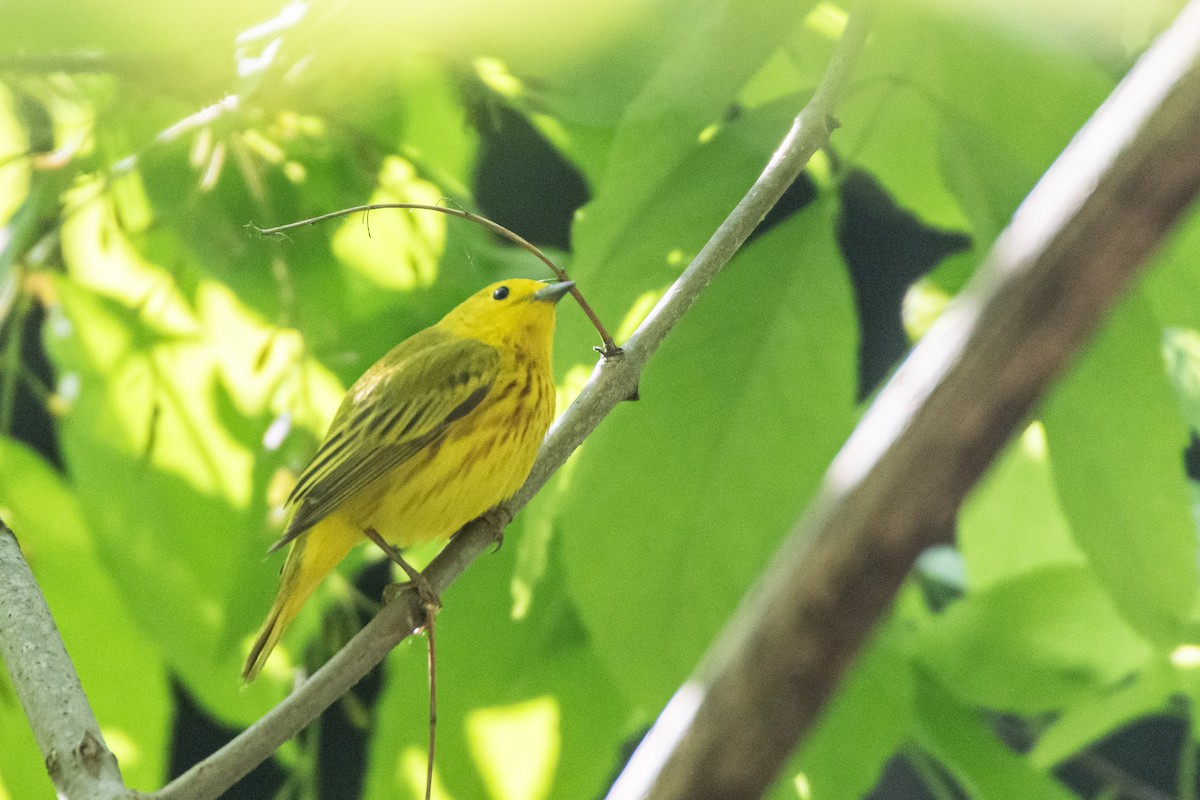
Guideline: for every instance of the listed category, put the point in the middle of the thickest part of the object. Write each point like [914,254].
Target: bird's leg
[497,518]
[416,580]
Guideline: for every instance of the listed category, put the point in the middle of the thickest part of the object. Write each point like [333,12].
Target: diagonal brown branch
[1071,249]
[614,380]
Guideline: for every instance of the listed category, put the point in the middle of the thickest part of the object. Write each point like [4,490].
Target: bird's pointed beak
[554,292]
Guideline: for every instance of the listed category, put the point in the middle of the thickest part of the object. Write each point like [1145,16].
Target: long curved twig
[609,349]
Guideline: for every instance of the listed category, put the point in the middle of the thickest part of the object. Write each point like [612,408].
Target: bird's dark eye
[500,293]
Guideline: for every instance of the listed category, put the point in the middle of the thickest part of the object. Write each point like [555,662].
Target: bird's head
[515,313]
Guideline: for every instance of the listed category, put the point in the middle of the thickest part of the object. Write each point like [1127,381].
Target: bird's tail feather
[310,559]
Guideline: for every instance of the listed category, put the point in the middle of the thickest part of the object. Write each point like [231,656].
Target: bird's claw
[416,583]
[497,519]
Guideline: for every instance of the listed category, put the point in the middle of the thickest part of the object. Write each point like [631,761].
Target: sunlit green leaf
[657,245]
[395,249]
[1116,440]
[1181,347]
[1031,644]
[22,770]
[101,636]
[959,738]
[1172,283]
[762,367]
[694,87]
[948,132]
[14,167]
[165,486]
[1106,710]
[1012,522]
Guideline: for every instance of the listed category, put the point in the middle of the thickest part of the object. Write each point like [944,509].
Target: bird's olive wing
[402,405]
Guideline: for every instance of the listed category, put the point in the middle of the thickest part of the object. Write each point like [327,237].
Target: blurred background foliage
[164,374]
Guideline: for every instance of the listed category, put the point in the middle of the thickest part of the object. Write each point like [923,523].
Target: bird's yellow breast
[481,461]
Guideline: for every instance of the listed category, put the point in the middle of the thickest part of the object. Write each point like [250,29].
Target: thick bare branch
[1071,249]
[79,762]
[614,380]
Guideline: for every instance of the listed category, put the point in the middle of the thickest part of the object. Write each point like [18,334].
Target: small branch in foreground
[609,350]
[613,381]
[66,731]
[1072,248]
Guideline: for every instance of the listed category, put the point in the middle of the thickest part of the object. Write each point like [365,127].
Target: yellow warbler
[437,432]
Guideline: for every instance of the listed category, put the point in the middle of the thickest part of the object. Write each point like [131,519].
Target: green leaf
[1116,440]
[983,173]
[657,244]
[1032,643]
[1012,522]
[1105,711]
[693,202]
[959,738]
[891,132]
[434,137]
[692,89]
[1181,348]
[173,549]
[101,636]
[945,130]
[14,172]
[22,768]
[1172,281]
[395,249]
[1172,286]
[740,413]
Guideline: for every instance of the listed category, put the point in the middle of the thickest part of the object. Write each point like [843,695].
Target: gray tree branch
[613,380]
[1071,249]
[66,731]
